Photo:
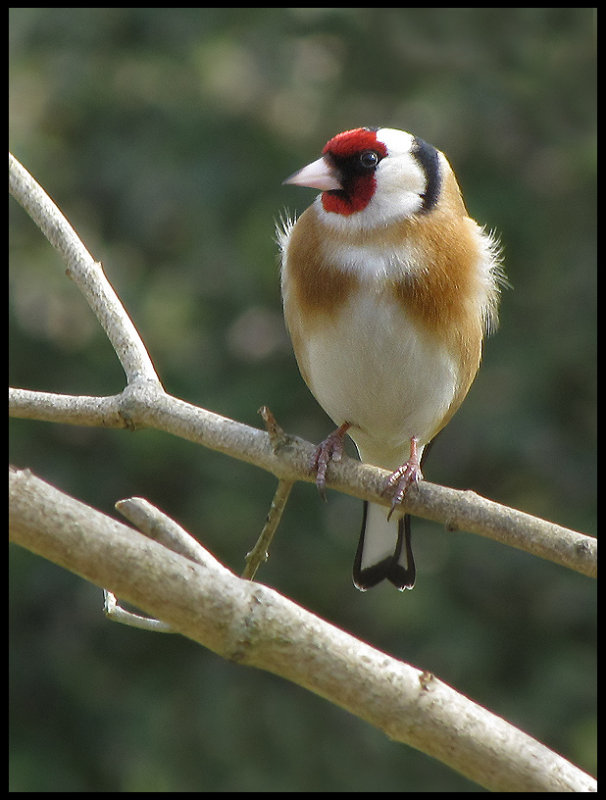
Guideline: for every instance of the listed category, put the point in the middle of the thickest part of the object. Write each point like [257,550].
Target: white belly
[371,366]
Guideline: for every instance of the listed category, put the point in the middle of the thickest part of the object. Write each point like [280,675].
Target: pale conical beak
[318,175]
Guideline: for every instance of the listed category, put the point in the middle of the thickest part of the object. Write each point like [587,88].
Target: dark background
[164,136]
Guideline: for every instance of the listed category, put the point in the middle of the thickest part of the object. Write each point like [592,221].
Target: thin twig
[260,552]
[115,613]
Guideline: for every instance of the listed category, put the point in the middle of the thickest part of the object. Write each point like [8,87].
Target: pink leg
[408,473]
[331,449]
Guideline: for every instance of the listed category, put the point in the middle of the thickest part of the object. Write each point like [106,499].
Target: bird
[388,291]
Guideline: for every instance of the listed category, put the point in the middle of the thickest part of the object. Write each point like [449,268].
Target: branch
[254,625]
[86,273]
[148,405]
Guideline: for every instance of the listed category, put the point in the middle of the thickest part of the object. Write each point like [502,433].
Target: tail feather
[384,551]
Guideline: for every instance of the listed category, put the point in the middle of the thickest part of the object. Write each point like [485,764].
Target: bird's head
[374,176]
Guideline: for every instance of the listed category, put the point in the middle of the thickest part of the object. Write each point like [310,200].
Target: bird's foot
[402,479]
[331,449]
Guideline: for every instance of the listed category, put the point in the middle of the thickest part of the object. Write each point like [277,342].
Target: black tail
[398,567]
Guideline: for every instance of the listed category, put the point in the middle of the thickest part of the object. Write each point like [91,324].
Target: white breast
[370,365]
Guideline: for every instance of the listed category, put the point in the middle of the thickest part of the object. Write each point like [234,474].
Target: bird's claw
[331,449]
[400,481]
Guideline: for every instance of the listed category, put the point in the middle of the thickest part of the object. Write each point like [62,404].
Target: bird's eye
[369,159]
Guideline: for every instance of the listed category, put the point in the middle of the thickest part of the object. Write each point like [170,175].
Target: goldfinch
[388,290]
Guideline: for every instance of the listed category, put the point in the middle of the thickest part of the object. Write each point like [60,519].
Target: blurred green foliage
[164,136]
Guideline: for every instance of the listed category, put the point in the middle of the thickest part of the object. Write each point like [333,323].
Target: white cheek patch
[388,206]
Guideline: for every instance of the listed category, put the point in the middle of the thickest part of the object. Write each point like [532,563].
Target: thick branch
[254,625]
